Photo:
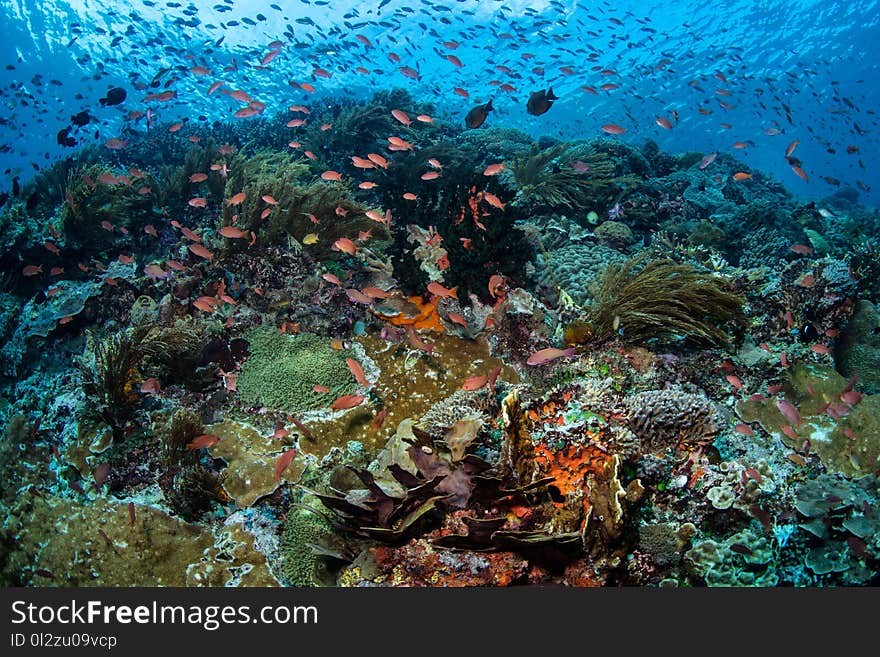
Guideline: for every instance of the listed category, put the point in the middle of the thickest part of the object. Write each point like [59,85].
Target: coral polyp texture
[278,310]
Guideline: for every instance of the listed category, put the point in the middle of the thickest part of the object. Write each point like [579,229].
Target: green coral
[859,350]
[614,234]
[811,388]
[283,369]
[303,530]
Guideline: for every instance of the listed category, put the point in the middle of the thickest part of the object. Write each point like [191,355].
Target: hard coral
[283,369]
[664,418]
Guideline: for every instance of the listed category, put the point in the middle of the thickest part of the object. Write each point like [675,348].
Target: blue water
[808,70]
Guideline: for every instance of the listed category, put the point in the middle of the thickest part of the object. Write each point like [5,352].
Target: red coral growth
[419,564]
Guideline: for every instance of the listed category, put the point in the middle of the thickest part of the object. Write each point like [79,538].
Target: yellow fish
[311,238]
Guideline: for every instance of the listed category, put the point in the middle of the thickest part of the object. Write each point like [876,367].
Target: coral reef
[282,371]
[664,418]
[662,300]
[858,352]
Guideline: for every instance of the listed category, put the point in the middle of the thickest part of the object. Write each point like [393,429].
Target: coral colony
[366,339]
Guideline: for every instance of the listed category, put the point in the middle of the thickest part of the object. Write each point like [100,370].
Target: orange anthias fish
[357,371]
[475,382]
[205,440]
[345,245]
[545,356]
[347,401]
[401,116]
[233,233]
[283,462]
[442,292]
[201,251]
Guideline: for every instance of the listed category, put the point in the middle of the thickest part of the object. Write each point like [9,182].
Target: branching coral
[662,300]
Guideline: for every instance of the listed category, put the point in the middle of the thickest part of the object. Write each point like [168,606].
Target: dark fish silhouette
[64,139]
[540,101]
[81,118]
[115,96]
[477,115]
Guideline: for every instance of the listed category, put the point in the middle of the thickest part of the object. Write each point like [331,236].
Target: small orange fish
[205,440]
[237,199]
[201,251]
[801,249]
[442,292]
[32,270]
[663,122]
[741,175]
[357,371]
[744,429]
[347,401]
[283,462]
[233,233]
[345,245]
[198,202]
[378,160]
[205,304]
[613,128]
[475,382]
[402,117]
[457,319]
[494,169]
[331,175]
[493,200]
[800,173]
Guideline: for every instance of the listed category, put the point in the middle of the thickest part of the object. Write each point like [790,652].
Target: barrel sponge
[283,370]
